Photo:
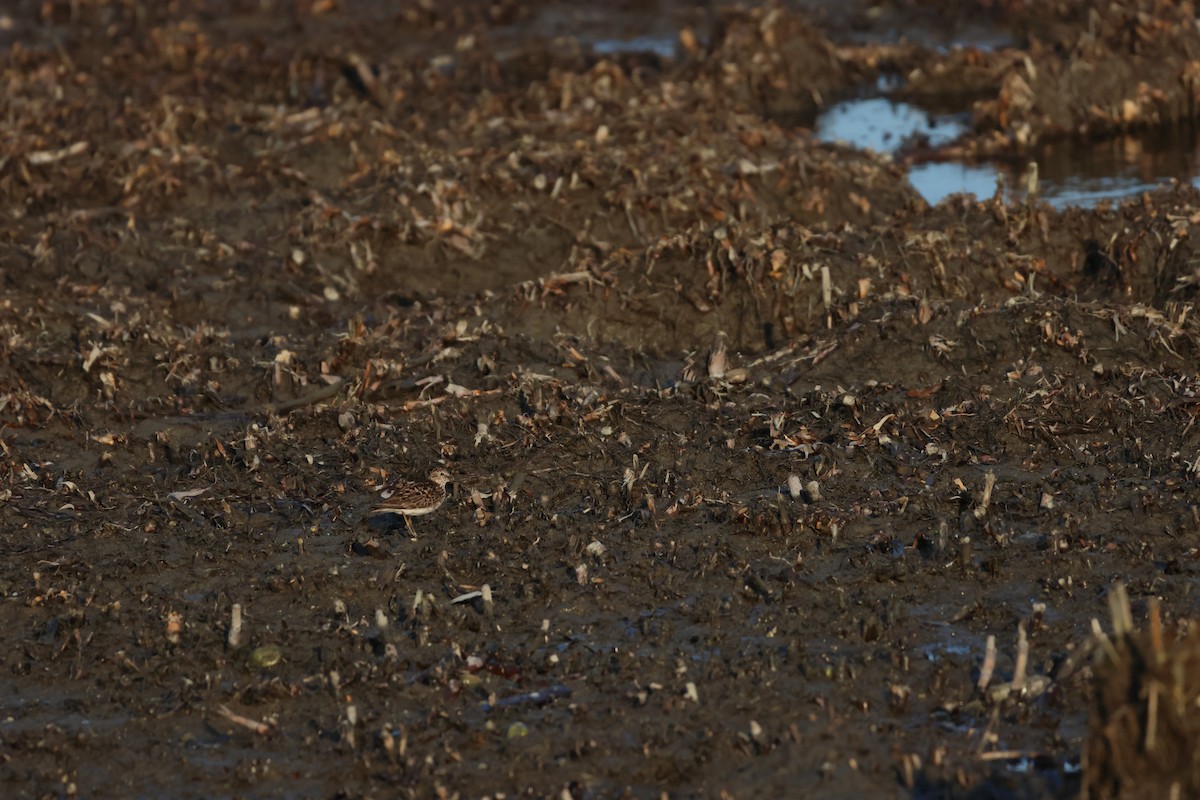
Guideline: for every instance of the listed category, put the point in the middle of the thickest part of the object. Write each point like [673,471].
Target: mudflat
[752,451]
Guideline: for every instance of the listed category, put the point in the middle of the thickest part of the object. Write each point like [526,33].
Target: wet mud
[768,478]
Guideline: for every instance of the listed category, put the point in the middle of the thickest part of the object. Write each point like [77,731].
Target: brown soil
[752,450]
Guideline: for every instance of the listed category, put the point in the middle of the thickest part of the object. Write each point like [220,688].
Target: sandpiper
[414,498]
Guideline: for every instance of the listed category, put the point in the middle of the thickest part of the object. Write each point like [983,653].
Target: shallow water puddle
[611,30]
[660,45]
[1069,174]
[882,125]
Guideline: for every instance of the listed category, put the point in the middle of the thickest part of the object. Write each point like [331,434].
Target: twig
[989,483]
[235,627]
[409,405]
[261,728]
[989,664]
[538,697]
[1006,755]
[489,606]
[315,396]
[1118,607]
[1018,681]
[1156,631]
[1151,717]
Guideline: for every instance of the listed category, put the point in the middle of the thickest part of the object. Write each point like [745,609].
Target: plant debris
[752,449]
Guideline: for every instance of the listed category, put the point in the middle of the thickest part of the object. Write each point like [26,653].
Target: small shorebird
[414,498]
